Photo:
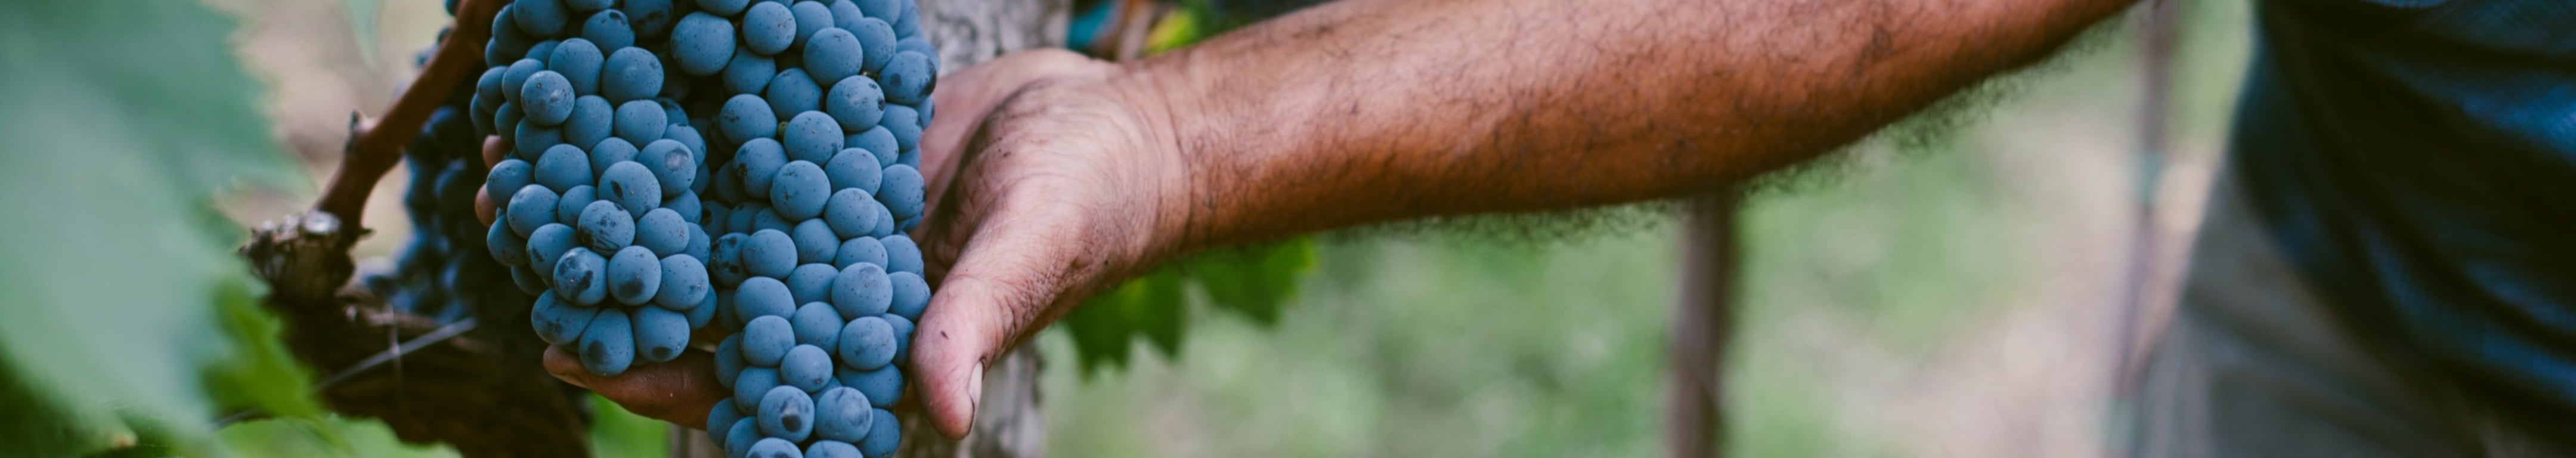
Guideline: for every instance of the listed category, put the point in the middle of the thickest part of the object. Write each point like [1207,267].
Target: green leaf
[616,432]
[1255,281]
[123,120]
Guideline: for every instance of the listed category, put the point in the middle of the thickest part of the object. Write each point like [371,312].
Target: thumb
[1000,289]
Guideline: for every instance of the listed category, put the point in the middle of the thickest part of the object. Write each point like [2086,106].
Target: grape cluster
[440,270]
[776,173]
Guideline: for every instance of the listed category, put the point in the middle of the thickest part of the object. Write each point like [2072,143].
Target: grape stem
[376,144]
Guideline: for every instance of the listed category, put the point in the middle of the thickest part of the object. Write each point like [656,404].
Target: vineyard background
[1944,290]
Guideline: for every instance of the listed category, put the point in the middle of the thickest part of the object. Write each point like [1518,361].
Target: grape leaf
[123,120]
[1255,281]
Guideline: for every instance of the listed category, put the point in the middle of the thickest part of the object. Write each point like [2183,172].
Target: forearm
[1370,110]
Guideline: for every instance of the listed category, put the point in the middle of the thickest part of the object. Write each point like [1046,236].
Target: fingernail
[975,390]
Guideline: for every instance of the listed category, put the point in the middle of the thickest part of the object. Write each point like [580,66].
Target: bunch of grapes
[780,221]
[441,270]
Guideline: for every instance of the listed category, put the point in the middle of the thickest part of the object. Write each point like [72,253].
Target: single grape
[547,98]
[856,102]
[592,118]
[792,92]
[720,416]
[634,275]
[768,27]
[907,78]
[724,260]
[879,141]
[507,177]
[884,435]
[850,214]
[662,231]
[610,151]
[911,294]
[769,253]
[698,241]
[819,325]
[640,122]
[543,50]
[632,74]
[533,206]
[769,219]
[766,338]
[604,227]
[774,447]
[902,191]
[862,290]
[608,347]
[812,283]
[568,207]
[738,439]
[556,322]
[528,280]
[748,72]
[729,363]
[660,334]
[799,190]
[547,245]
[860,250]
[751,384]
[562,167]
[866,343]
[885,221]
[883,10]
[806,367]
[904,122]
[907,22]
[842,414]
[920,44]
[787,412]
[608,29]
[684,284]
[532,140]
[883,386]
[543,18]
[701,314]
[811,17]
[677,170]
[691,138]
[650,17]
[832,449]
[488,85]
[581,277]
[812,137]
[632,187]
[763,296]
[748,117]
[832,54]
[845,11]
[506,246]
[579,60]
[902,337]
[516,76]
[702,43]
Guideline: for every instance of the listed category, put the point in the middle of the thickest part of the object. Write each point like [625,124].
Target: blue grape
[747,117]
[844,12]
[701,314]
[850,214]
[812,283]
[811,17]
[483,110]
[806,367]
[902,191]
[862,290]
[792,92]
[506,246]
[721,416]
[608,347]
[591,119]
[919,44]
[671,110]
[911,294]
[769,219]
[543,18]
[841,414]
[533,206]
[879,141]
[634,275]
[866,343]
[608,29]
[812,137]
[702,44]
[543,50]
[748,72]
[581,278]
[528,280]
[660,334]
[885,221]
[883,10]
[488,85]
[766,339]
[902,338]
[533,140]
[743,433]
[904,122]
[632,74]
[556,322]
[907,78]
[674,167]
[579,61]
[650,17]
[723,7]
[763,296]
[753,382]
[908,21]
[884,436]
[817,325]
[633,187]
[774,447]
[856,102]
[515,78]
[605,227]
[724,260]
[547,245]
[640,122]
[563,167]
[787,412]
[508,41]
[547,98]
[833,54]
[860,250]
[832,449]
[506,177]
[855,168]
[800,190]
[568,206]
[815,243]
[729,363]
[769,253]
[610,151]
[684,284]
[768,28]
[883,386]
[663,232]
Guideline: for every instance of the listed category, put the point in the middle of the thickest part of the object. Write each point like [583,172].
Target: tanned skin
[1054,177]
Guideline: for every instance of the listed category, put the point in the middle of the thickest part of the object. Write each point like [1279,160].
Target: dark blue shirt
[2417,160]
